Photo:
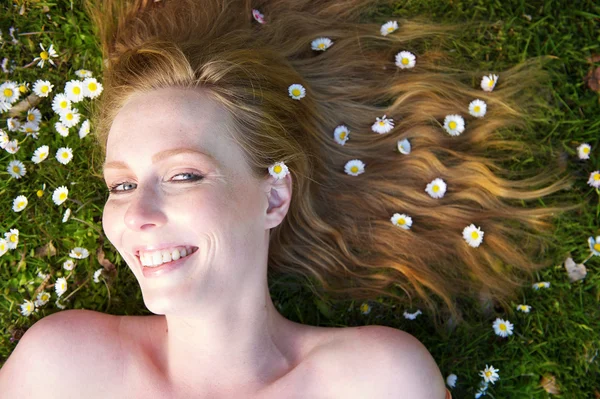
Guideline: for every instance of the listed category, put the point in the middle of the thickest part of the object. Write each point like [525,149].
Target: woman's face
[221,211]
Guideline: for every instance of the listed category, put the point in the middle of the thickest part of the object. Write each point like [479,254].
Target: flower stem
[586,259]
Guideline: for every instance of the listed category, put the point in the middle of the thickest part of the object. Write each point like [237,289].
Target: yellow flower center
[401,221]
[29,130]
[8,93]
[16,169]
[381,123]
[76,90]
[62,196]
[13,238]
[476,108]
[321,45]
[277,169]
[597,246]
[343,135]
[452,125]
[436,188]
[65,155]
[503,327]
[42,155]
[597,176]
[44,89]
[586,150]
[354,169]
[44,55]
[474,235]
[391,29]
[488,373]
[364,307]
[491,83]
[69,116]
[405,60]
[40,193]
[92,86]
[22,88]
[20,204]
[63,104]
[31,117]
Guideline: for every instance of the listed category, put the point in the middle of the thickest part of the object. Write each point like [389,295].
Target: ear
[278,195]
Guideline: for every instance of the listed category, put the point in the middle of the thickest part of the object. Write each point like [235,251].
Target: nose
[144,210]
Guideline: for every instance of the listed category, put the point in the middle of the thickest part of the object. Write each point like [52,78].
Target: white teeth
[159,257]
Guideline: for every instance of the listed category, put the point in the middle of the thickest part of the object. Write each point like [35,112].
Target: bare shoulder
[379,362]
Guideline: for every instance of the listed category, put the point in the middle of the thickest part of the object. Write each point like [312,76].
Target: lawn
[554,349]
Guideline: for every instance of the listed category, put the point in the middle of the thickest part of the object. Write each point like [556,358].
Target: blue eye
[113,188]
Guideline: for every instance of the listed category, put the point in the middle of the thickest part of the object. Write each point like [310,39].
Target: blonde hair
[338,229]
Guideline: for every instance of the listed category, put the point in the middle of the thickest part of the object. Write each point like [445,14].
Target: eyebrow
[159,156]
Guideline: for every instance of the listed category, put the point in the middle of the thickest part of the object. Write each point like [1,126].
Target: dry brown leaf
[548,382]
[593,58]
[593,79]
[22,263]
[108,265]
[576,271]
[46,250]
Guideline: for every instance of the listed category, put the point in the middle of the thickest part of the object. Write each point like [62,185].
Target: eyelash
[112,189]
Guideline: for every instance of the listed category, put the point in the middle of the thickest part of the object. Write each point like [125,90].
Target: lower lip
[165,268]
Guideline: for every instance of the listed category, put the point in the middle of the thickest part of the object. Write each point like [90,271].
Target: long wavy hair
[338,229]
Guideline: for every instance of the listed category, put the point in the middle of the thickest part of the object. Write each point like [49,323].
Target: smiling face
[221,212]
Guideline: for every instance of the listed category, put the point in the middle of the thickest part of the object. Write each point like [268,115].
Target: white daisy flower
[402,220]
[454,124]
[473,235]
[297,91]
[60,195]
[354,167]
[64,155]
[42,298]
[594,179]
[74,90]
[46,56]
[60,103]
[503,328]
[4,139]
[482,391]
[412,316]
[12,238]
[61,129]
[42,275]
[19,203]
[84,130]
[27,308]
[16,168]
[477,108]
[92,88]
[70,117]
[340,134]
[541,284]
[389,27]
[279,170]
[524,308]
[9,92]
[42,88]
[97,274]
[451,380]
[436,188]
[260,18]
[405,59]
[583,151]
[12,147]
[5,106]
[321,44]
[60,287]
[83,73]
[40,154]
[404,146]
[594,245]
[69,264]
[31,129]
[3,246]
[490,374]
[79,253]
[383,125]
[59,304]
[13,124]
[34,115]
[365,308]
[66,215]
[489,82]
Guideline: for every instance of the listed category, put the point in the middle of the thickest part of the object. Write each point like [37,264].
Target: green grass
[561,335]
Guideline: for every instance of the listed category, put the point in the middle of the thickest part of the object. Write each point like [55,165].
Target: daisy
[454,124]
[9,92]
[4,139]
[260,18]
[61,129]
[97,274]
[70,117]
[40,154]
[489,82]
[13,124]
[279,170]
[60,195]
[16,168]
[389,27]
[402,220]
[404,146]
[5,106]
[354,167]
[482,391]
[19,203]
[60,287]
[84,130]
[46,56]
[541,284]
[24,87]
[74,90]
[79,253]
[436,188]
[83,73]
[412,316]
[12,238]
[69,264]
[60,103]
[3,246]
[473,235]
[321,44]
[34,115]
[365,308]
[594,179]
[42,298]
[451,380]
[12,147]
[477,108]
[383,125]
[64,155]
[594,245]
[405,59]
[27,307]
[59,304]
[297,91]
[503,328]
[31,129]
[490,374]
[583,151]
[42,87]
[524,308]
[66,215]
[340,134]
[92,88]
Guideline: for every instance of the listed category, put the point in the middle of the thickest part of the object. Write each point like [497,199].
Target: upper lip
[155,247]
